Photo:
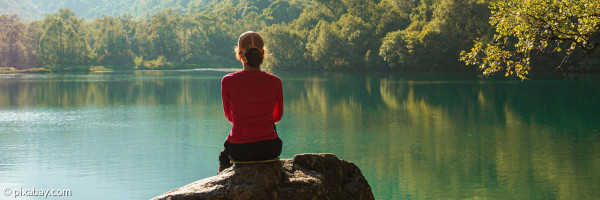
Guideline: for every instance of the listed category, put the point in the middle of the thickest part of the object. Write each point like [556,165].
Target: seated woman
[253,103]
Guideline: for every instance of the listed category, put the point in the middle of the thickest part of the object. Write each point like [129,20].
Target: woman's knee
[223,156]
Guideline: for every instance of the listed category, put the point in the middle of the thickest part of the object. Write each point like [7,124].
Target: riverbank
[231,66]
[109,68]
[12,70]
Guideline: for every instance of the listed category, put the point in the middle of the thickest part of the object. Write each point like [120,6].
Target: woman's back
[255,102]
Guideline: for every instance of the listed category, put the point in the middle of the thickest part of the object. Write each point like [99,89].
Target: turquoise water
[136,135]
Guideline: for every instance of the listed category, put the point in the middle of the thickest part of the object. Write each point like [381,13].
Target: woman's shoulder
[233,74]
[242,75]
[273,76]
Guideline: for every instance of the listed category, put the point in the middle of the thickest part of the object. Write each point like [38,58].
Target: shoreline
[108,69]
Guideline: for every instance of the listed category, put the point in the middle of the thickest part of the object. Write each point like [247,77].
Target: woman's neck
[251,69]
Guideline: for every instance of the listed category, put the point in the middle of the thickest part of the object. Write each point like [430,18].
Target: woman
[253,104]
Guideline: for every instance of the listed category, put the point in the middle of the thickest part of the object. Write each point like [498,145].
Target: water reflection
[415,136]
[144,87]
[422,138]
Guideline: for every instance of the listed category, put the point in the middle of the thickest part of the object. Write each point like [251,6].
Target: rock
[306,176]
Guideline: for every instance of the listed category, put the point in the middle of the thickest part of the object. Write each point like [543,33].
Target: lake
[138,134]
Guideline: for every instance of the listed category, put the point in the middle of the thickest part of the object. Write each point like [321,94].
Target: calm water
[135,135]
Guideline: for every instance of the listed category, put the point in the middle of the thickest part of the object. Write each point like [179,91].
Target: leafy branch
[530,25]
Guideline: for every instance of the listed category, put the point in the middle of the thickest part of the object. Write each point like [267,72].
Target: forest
[406,35]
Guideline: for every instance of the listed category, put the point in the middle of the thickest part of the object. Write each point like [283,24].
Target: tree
[437,33]
[111,42]
[189,41]
[396,49]
[325,47]
[162,32]
[355,35]
[525,27]
[17,54]
[280,11]
[218,39]
[34,32]
[62,42]
[285,47]
[12,48]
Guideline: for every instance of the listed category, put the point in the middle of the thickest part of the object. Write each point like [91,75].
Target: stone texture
[306,176]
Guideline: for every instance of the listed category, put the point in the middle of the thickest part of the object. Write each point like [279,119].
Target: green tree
[310,17]
[285,47]
[141,42]
[62,42]
[526,27]
[34,32]
[396,49]
[13,35]
[17,54]
[325,47]
[162,33]
[394,15]
[190,43]
[112,44]
[355,35]
[216,38]
[282,11]
[437,33]
[129,25]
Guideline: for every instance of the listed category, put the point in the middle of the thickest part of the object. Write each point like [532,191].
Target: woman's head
[250,49]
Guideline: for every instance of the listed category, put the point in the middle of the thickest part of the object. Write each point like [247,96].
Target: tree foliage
[62,42]
[438,30]
[524,28]
[416,35]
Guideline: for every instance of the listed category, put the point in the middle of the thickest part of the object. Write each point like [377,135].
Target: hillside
[36,9]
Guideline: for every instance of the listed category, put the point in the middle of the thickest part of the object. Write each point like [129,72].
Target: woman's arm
[225,100]
[278,111]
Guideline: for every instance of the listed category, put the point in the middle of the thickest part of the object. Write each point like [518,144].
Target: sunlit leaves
[395,49]
[438,30]
[526,26]
[285,47]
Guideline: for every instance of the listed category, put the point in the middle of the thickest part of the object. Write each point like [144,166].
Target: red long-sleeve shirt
[252,102]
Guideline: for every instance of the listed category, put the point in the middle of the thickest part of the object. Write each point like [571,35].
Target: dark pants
[253,151]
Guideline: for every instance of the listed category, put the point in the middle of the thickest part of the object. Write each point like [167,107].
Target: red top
[252,102]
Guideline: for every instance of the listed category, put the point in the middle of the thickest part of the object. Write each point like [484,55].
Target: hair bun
[253,57]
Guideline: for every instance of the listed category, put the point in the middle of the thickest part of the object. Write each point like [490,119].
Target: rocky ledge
[306,176]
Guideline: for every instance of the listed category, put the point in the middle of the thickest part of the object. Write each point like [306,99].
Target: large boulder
[306,176]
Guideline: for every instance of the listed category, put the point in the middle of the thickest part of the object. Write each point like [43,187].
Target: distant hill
[24,8]
[36,9]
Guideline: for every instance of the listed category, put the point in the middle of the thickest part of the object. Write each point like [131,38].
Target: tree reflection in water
[415,136]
